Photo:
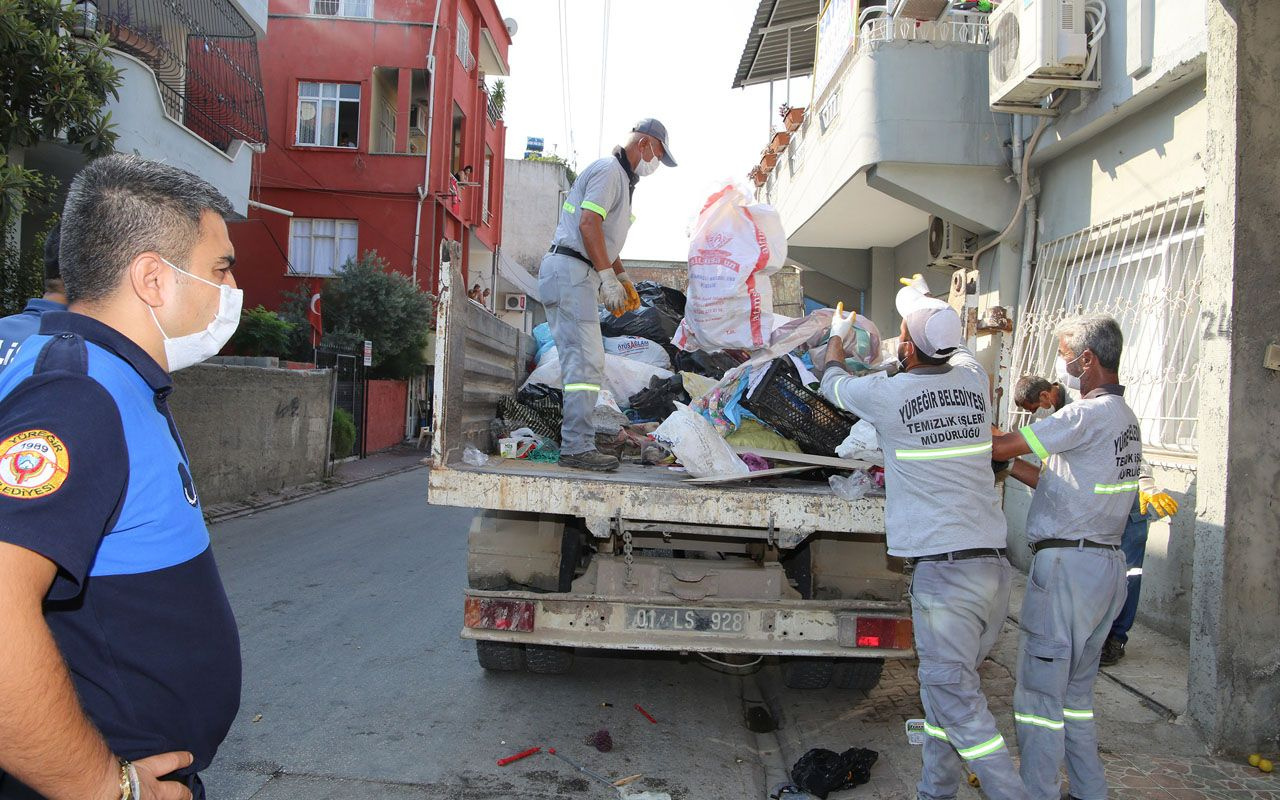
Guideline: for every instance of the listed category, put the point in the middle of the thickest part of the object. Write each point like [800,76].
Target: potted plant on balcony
[758,176]
[780,141]
[132,35]
[791,117]
[768,158]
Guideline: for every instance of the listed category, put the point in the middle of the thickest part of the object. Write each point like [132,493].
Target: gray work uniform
[17,328]
[934,424]
[1092,451]
[569,286]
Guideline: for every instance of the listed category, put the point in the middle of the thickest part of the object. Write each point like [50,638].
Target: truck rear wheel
[545,660]
[808,673]
[861,674]
[500,656]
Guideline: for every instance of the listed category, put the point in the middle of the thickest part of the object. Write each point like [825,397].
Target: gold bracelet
[126,787]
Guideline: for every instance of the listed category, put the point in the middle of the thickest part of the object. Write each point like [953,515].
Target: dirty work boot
[1112,652]
[592,460]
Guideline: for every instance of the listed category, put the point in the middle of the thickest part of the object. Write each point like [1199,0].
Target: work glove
[842,324]
[1164,505]
[916,282]
[612,294]
[633,297]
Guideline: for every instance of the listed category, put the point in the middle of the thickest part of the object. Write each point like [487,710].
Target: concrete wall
[384,426]
[531,203]
[249,429]
[1234,692]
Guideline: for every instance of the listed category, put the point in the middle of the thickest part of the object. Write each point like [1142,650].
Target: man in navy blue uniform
[120,668]
[15,329]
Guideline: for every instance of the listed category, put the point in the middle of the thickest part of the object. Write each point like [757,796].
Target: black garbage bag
[532,393]
[820,772]
[711,365]
[660,312]
[658,401]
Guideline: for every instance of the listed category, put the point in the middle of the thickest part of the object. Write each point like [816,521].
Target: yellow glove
[633,297]
[1164,505]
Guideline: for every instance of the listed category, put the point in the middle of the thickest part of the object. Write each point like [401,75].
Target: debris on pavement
[601,740]
[821,771]
[647,715]
[502,762]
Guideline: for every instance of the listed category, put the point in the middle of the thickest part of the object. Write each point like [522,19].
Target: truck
[639,559]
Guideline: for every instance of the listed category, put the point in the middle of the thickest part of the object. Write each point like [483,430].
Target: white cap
[934,326]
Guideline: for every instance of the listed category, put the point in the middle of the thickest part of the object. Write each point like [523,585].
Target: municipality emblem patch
[33,464]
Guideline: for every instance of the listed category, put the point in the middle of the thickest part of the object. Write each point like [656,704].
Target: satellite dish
[512,27]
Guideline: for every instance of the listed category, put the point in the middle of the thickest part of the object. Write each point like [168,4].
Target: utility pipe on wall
[425,189]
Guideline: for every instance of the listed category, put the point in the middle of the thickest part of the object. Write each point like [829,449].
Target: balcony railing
[494,114]
[953,28]
[205,58]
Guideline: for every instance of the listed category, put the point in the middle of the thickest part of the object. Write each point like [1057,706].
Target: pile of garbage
[712,380]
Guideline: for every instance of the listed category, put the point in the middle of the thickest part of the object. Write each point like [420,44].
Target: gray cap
[934,326]
[651,127]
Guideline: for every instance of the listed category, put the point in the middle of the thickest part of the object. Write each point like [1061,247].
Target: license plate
[699,620]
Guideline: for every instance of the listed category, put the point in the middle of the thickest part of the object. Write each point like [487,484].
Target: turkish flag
[314,317]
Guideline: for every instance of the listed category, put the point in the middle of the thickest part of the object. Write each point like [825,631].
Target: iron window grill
[1144,269]
[204,54]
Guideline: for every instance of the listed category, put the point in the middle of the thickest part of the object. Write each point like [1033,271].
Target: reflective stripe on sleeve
[943,452]
[581,387]
[568,207]
[1033,442]
[590,206]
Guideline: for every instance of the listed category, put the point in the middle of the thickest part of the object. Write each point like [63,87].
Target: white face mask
[183,351]
[1041,413]
[648,167]
[1066,378]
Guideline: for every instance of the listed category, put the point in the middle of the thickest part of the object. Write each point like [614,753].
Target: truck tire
[500,656]
[861,674]
[545,660]
[808,673]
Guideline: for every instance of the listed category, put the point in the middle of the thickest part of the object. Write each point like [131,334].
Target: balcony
[204,58]
[398,125]
[902,130]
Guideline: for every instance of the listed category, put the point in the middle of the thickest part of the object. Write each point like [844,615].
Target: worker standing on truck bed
[1092,451]
[583,261]
[942,514]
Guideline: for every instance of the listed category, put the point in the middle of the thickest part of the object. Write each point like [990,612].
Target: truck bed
[788,506]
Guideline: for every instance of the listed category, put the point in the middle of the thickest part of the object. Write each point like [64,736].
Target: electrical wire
[727,665]
[566,94]
[604,74]
[1096,12]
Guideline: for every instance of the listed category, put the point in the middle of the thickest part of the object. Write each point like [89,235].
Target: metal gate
[350,388]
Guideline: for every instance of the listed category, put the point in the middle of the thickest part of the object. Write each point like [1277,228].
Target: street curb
[244,512]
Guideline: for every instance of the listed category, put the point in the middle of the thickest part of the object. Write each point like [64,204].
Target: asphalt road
[356,683]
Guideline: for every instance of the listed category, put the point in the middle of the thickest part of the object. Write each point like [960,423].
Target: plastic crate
[805,417]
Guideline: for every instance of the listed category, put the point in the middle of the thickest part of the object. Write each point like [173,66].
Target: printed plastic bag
[699,448]
[638,348]
[735,246]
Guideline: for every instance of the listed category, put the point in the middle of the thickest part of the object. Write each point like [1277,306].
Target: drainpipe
[425,188]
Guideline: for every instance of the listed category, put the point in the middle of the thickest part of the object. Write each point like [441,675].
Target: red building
[360,119]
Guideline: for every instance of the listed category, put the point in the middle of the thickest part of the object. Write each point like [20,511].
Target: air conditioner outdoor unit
[949,244]
[1036,46]
[514,302]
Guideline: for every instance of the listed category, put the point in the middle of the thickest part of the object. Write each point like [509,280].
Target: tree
[55,85]
[367,301]
[262,333]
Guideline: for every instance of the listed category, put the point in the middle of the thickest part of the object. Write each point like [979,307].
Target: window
[328,114]
[321,246]
[387,128]
[484,188]
[464,45]
[362,9]
[1144,270]
[459,127]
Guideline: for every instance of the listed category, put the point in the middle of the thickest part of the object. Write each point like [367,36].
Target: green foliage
[366,301]
[499,95]
[262,333]
[22,272]
[343,437]
[554,159]
[54,86]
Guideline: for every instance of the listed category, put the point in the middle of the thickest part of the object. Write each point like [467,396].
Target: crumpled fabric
[821,772]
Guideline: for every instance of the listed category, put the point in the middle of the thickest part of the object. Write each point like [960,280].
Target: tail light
[886,633]
[498,614]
